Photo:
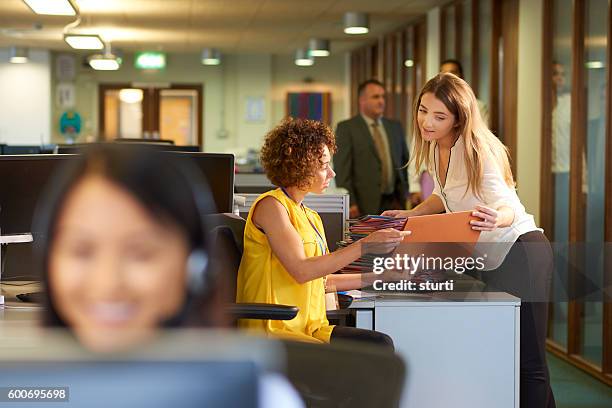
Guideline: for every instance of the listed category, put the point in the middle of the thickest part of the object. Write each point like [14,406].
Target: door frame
[150,105]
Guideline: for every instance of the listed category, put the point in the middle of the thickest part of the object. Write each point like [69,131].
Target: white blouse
[496,193]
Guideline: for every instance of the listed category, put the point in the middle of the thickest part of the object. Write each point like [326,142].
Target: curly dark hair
[292,151]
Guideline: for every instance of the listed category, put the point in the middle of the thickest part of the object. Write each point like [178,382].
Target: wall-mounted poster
[310,105]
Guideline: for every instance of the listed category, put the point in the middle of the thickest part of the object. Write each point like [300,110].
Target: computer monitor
[78,147]
[218,169]
[142,140]
[22,183]
[153,384]
[20,149]
[23,180]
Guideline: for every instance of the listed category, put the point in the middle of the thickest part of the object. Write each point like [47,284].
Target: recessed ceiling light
[211,56]
[319,47]
[303,58]
[409,63]
[84,41]
[356,23]
[18,55]
[52,7]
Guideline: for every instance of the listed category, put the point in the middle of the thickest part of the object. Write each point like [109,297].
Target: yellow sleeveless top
[263,279]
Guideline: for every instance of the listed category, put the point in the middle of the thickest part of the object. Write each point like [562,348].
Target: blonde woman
[471,172]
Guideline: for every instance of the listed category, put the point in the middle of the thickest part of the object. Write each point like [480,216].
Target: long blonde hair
[479,142]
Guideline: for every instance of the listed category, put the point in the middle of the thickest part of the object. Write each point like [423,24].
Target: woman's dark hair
[165,184]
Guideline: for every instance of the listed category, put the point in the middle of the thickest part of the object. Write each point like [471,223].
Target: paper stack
[362,227]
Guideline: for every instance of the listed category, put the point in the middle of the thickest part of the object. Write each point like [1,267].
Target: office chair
[232,238]
[345,374]
[227,252]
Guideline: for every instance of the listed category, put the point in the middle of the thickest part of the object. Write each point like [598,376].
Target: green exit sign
[150,60]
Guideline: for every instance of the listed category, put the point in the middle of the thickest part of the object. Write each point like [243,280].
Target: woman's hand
[490,219]
[383,241]
[396,213]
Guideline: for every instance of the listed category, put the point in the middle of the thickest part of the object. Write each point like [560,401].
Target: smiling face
[323,174]
[115,272]
[434,119]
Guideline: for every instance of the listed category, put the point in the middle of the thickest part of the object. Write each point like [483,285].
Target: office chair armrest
[262,311]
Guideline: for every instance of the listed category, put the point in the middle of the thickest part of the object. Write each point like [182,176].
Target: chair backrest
[345,374]
[227,233]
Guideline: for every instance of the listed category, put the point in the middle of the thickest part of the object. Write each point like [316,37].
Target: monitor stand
[12,239]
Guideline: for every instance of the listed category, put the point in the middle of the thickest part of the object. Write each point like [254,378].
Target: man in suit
[372,153]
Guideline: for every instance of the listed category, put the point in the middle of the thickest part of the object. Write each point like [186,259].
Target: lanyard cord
[320,241]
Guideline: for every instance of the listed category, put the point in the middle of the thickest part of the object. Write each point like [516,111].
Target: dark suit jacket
[358,166]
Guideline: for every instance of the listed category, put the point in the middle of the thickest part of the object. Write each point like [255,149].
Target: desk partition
[333,209]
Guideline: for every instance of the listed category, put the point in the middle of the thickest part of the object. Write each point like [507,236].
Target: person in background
[471,170]
[286,259]
[371,153]
[560,157]
[453,66]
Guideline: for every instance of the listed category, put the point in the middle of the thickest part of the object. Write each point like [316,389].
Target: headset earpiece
[197,271]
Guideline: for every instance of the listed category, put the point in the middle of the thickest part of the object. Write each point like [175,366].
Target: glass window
[485,33]
[450,32]
[561,132]
[595,59]
[466,40]
[178,116]
[409,75]
[123,113]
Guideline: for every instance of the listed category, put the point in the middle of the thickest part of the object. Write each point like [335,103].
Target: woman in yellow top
[286,259]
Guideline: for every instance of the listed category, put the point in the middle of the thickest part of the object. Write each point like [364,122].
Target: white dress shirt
[496,193]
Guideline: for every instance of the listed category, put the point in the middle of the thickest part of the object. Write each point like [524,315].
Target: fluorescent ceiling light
[409,63]
[211,56]
[52,7]
[104,62]
[356,23]
[84,41]
[303,58]
[319,47]
[18,55]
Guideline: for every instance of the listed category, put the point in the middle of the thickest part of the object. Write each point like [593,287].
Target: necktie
[385,164]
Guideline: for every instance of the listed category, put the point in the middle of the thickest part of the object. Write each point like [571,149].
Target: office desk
[460,349]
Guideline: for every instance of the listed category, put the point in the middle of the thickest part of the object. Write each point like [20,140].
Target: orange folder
[448,227]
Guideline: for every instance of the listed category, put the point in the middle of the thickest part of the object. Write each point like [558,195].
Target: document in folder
[449,227]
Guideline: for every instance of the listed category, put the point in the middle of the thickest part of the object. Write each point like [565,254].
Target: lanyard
[320,239]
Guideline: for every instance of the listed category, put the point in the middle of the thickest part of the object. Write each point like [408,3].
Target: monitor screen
[132,383]
[23,182]
[78,147]
[13,149]
[218,169]
[24,179]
